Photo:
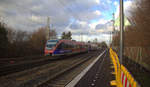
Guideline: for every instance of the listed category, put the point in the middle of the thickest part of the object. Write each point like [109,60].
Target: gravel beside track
[34,76]
[25,64]
[10,61]
[65,77]
[140,73]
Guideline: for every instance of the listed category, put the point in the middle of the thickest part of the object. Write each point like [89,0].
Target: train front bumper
[48,52]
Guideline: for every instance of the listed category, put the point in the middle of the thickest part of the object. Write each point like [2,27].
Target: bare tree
[38,40]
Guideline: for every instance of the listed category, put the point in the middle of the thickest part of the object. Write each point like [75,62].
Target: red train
[66,47]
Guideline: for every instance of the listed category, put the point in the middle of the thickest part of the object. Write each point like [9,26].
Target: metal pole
[48,27]
[81,37]
[113,20]
[121,29]
[110,39]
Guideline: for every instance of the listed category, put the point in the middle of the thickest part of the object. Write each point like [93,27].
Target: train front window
[51,44]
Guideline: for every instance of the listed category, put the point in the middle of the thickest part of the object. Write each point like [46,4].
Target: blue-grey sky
[90,17]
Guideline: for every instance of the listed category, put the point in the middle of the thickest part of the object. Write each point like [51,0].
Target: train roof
[53,40]
[67,41]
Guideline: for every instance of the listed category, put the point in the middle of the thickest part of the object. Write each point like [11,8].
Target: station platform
[97,74]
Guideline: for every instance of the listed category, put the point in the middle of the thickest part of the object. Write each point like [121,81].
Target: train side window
[61,46]
[64,45]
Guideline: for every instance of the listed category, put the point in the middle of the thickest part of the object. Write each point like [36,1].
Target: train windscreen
[51,43]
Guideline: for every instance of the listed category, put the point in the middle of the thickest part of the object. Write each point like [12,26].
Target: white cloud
[109,1]
[97,1]
[128,5]
[117,12]
[76,25]
[101,21]
[93,25]
[97,12]
[116,3]
[36,18]
[83,23]
[36,7]
[30,15]
[101,37]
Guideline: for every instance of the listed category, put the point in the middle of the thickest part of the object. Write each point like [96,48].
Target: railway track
[27,63]
[9,61]
[24,64]
[66,76]
[41,73]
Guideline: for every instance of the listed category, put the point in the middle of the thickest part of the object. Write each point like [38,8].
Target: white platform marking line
[77,78]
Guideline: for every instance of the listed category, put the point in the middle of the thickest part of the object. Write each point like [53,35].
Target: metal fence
[140,55]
